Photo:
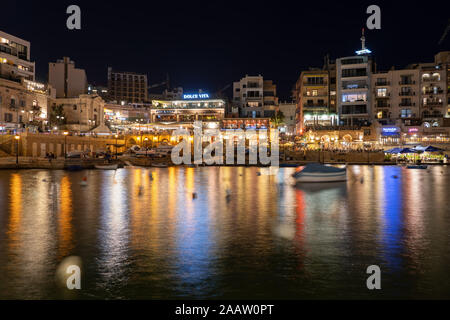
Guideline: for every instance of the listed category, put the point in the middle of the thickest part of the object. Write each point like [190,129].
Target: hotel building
[353,87]
[255,97]
[15,58]
[127,87]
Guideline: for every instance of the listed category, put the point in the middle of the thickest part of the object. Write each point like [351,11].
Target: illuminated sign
[388,131]
[195,96]
[364,51]
[413,130]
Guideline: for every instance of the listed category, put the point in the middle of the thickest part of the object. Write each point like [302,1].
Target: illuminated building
[24,103]
[354,87]
[195,106]
[15,58]
[255,97]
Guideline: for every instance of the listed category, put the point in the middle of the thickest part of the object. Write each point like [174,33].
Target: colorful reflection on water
[225,232]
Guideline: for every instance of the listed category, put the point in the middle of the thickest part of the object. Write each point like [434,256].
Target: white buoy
[84,182]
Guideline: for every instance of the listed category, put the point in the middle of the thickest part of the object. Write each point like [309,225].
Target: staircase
[6,142]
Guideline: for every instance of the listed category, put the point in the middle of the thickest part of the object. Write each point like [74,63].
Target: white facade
[255,97]
[353,90]
[15,58]
[68,81]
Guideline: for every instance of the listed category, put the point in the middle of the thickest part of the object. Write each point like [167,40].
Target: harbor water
[225,233]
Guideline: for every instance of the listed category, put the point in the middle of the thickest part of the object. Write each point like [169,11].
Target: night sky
[209,45]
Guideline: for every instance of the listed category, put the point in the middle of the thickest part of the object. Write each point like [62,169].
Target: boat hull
[107,167]
[322,177]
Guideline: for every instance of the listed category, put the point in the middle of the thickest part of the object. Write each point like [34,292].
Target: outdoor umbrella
[408,150]
[433,149]
[393,150]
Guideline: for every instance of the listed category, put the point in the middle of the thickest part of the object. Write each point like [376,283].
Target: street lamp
[17,137]
[65,144]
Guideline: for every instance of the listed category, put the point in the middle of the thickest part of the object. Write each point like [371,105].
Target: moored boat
[106,166]
[417,166]
[159,165]
[316,172]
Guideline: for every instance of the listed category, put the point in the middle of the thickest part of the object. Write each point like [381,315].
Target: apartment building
[414,96]
[69,81]
[127,87]
[396,97]
[289,123]
[255,97]
[315,96]
[15,60]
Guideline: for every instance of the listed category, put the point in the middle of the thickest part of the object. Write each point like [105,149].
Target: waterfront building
[353,87]
[193,107]
[127,87]
[396,97]
[83,113]
[245,123]
[118,115]
[15,60]
[24,104]
[255,97]
[288,109]
[69,82]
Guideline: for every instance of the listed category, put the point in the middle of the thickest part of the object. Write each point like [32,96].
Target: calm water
[146,238]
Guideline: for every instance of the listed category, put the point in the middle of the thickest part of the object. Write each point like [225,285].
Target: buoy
[395,177]
[258,174]
[84,181]
[194,196]
[362,180]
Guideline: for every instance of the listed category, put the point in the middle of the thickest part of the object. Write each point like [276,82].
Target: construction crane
[445,33]
[219,93]
[166,83]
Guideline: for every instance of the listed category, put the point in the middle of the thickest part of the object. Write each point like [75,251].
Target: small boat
[316,172]
[159,165]
[417,166]
[106,166]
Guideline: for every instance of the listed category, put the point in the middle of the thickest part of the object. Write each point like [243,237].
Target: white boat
[316,172]
[106,166]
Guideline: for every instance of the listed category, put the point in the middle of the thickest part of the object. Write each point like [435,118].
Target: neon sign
[389,131]
[195,96]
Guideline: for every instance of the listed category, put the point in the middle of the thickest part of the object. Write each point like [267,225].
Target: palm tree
[277,119]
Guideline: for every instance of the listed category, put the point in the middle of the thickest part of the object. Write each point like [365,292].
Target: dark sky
[209,45]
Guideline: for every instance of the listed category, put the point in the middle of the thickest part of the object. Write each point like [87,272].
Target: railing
[406,82]
[432,104]
[411,93]
[407,104]
[382,83]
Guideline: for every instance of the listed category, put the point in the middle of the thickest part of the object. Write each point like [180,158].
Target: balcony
[439,91]
[407,104]
[406,82]
[432,104]
[387,105]
[430,79]
[404,94]
[316,105]
[382,83]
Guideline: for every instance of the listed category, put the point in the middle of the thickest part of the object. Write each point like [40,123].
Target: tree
[277,119]
[57,115]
